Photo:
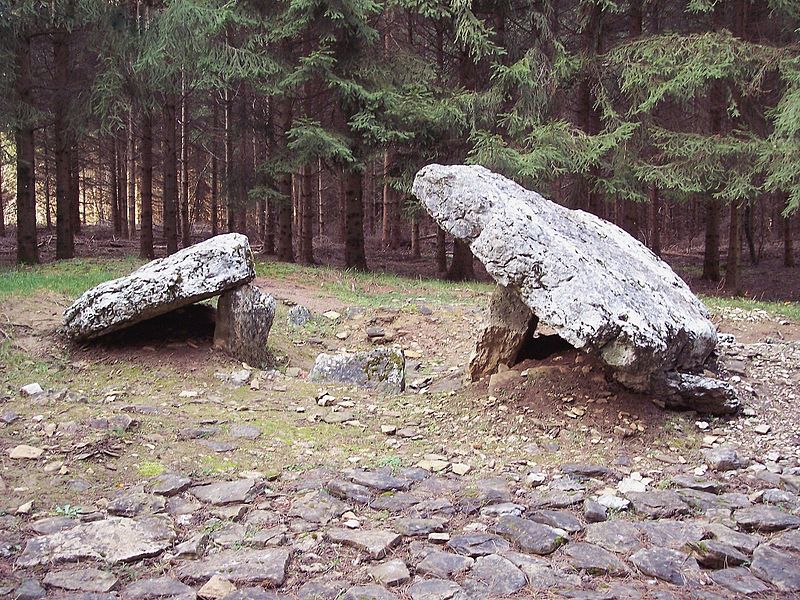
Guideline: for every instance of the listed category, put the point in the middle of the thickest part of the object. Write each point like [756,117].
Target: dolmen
[221,266]
[598,288]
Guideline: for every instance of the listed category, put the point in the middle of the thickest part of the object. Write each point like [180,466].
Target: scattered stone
[617,536]
[332,315]
[478,544]
[265,566]
[155,589]
[368,592]
[460,468]
[612,502]
[627,305]
[666,564]
[557,519]
[658,504]
[739,580]
[668,533]
[724,458]
[169,484]
[433,465]
[585,470]
[24,451]
[52,525]
[216,588]
[694,482]
[317,507]
[29,589]
[789,540]
[243,431]
[228,492]
[161,286]
[382,369]
[762,429]
[81,580]
[594,512]
[499,574]
[595,560]
[777,567]
[684,391]
[714,554]
[244,319]
[444,564]
[412,527]
[530,536]
[382,481]
[136,504]
[299,315]
[240,377]
[741,541]
[347,490]
[112,540]
[391,573]
[375,542]
[321,589]
[31,389]
[434,589]
[502,508]
[765,518]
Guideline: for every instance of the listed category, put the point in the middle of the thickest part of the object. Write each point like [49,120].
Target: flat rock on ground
[265,567]
[381,369]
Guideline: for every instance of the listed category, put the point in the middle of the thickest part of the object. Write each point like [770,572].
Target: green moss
[150,468]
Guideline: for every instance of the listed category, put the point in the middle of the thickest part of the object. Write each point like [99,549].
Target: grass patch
[374,289]
[150,468]
[787,310]
[70,277]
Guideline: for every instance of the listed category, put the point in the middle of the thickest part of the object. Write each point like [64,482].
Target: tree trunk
[748,233]
[416,252]
[307,229]
[441,250]
[186,233]
[655,222]
[170,174]
[146,191]
[461,268]
[115,220]
[27,250]
[711,270]
[122,194]
[788,245]
[65,242]
[244,142]
[215,172]
[389,228]
[2,204]
[48,195]
[354,255]
[733,275]
[230,221]
[74,190]
[282,109]
[131,178]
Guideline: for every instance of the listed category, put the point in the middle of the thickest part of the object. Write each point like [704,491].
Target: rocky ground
[152,467]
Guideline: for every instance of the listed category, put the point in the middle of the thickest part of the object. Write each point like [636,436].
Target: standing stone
[161,286]
[502,337]
[599,288]
[382,369]
[244,319]
[112,540]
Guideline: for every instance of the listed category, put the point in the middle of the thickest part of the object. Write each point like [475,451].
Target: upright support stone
[244,319]
[509,324]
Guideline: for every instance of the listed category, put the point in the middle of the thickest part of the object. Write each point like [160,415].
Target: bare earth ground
[117,416]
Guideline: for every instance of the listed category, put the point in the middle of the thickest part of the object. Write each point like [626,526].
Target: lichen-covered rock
[244,318]
[596,286]
[503,335]
[382,369]
[188,276]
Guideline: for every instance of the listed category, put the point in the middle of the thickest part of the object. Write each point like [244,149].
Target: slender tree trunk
[788,245]
[282,109]
[146,191]
[461,268]
[354,255]
[186,233]
[307,229]
[170,174]
[215,172]
[320,198]
[441,250]
[47,189]
[748,233]
[733,275]
[131,178]
[711,270]
[389,233]
[27,250]
[74,189]
[229,170]
[655,222]
[244,143]
[115,218]
[2,204]
[416,252]
[65,242]
[122,194]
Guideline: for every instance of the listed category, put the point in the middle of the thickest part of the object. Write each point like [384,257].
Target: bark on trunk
[748,234]
[116,223]
[733,276]
[416,252]
[27,250]
[170,174]
[122,184]
[389,225]
[788,244]
[307,229]
[186,237]
[461,267]
[215,173]
[2,205]
[131,178]
[48,194]
[711,270]
[282,119]
[74,190]
[655,222]
[230,222]
[354,255]
[146,191]
[65,241]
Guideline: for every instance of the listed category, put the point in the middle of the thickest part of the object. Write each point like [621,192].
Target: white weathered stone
[596,286]
[382,369]
[188,276]
[244,318]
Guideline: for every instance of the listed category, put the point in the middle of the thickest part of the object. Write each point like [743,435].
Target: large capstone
[382,369]
[244,318]
[597,287]
[188,276]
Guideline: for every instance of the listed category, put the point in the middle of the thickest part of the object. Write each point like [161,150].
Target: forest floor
[356,489]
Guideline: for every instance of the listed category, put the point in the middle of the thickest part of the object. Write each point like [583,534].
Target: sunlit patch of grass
[150,468]
[374,289]
[787,310]
[70,277]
